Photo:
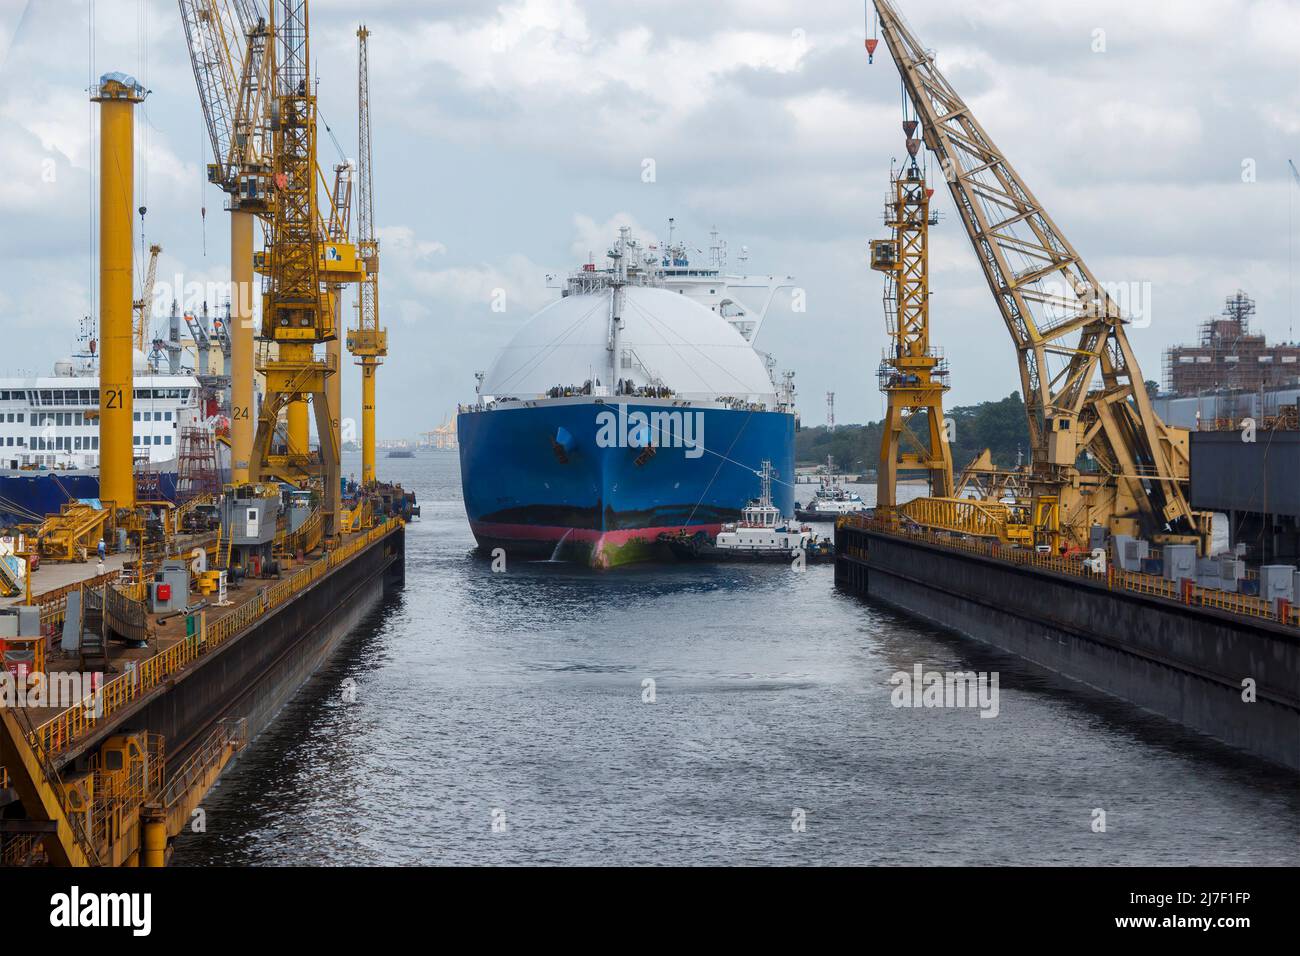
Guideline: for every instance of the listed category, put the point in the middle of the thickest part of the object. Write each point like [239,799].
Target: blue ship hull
[575,476]
[27,496]
[545,479]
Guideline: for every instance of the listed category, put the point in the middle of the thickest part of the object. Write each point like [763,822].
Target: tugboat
[831,500]
[762,534]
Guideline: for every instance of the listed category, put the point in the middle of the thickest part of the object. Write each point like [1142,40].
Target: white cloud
[592,239]
[509,141]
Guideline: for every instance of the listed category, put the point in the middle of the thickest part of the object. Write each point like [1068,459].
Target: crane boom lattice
[1097,442]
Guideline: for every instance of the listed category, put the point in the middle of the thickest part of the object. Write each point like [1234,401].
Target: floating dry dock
[109,780]
[1225,664]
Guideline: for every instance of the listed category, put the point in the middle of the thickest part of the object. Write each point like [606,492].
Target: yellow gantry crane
[913,375]
[1100,454]
[367,342]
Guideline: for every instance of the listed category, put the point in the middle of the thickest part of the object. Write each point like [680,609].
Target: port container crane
[1100,456]
[367,342]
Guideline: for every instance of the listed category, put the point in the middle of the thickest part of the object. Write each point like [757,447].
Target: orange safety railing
[58,733]
[1189,593]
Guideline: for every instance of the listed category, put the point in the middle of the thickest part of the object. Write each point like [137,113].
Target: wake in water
[555,555]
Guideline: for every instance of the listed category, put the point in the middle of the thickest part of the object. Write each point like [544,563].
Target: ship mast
[619,255]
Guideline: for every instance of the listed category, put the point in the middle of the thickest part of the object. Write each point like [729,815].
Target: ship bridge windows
[152,394]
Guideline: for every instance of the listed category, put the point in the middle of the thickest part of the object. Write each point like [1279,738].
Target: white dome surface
[666,336]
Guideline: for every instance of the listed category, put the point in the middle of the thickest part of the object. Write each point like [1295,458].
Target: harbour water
[485,717]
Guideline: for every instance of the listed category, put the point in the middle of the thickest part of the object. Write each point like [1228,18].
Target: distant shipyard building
[1230,358]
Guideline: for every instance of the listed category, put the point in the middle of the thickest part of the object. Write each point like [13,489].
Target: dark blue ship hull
[601,479]
[27,496]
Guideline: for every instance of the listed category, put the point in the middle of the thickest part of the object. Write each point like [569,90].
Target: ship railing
[1185,591]
[63,730]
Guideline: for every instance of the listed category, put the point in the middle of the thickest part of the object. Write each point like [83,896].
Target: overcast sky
[510,140]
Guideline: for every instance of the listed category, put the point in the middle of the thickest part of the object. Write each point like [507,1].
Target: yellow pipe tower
[242,412]
[297,428]
[334,384]
[117,96]
[153,822]
[368,367]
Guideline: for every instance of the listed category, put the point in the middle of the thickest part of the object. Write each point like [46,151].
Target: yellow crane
[229,51]
[1100,454]
[231,46]
[367,342]
[298,309]
[913,375]
[142,305]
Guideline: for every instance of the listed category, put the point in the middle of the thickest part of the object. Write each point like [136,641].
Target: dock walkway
[136,672]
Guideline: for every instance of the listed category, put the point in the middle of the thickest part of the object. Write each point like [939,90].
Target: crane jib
[1085,395]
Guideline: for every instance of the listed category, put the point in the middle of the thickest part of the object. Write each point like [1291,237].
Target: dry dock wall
[1184,663]
[255,673]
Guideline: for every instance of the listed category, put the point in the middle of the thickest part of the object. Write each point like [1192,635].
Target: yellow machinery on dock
[121,810]
[119,803]
[73,533]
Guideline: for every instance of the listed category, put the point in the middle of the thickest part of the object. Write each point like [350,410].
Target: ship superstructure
[49,427]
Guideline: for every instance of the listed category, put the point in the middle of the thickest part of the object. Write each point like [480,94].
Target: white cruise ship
[53,422]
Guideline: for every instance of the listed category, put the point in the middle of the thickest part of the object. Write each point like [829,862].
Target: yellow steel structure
[912,374]
[118,812]
[1098,448]
[229,51]
[241,344]
[978,519]
[367,342]
[984,480]
[231,45]
[71,534]
[42,794]
[297,313]
[143,304]
[340,223]
[117,96]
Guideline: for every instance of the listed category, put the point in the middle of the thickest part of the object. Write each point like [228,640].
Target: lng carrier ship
[636,405]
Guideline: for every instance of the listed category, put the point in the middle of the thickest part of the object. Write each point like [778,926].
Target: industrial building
[1230,357]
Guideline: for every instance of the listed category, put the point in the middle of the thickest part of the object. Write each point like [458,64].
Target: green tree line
[999,426]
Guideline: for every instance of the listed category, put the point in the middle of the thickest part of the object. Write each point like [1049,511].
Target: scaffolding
[1229,357]
[197,471]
